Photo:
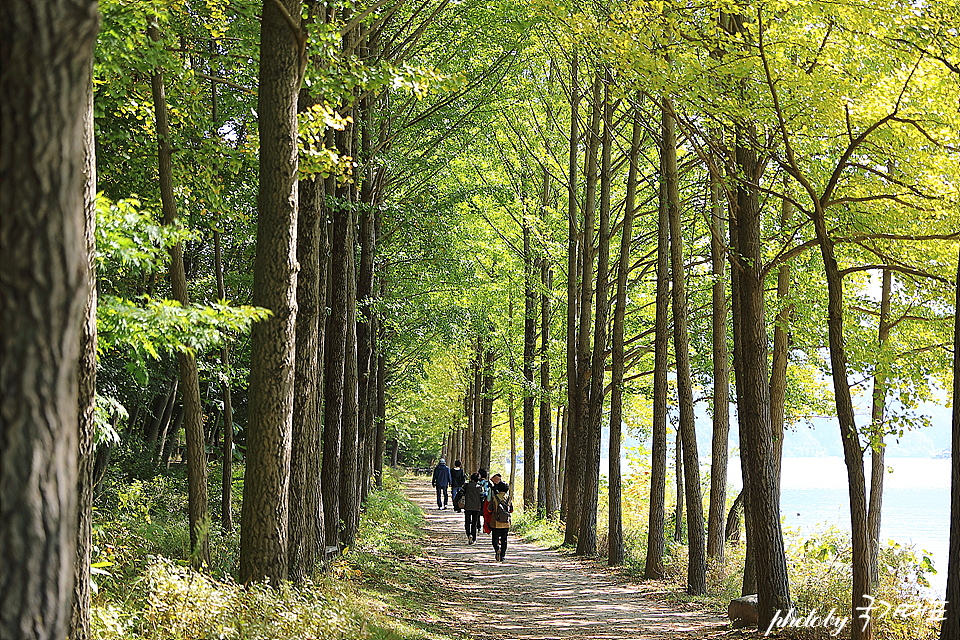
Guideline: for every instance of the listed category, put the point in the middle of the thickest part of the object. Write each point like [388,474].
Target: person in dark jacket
[500,506]
[441,480]
[473,503]
[457,479]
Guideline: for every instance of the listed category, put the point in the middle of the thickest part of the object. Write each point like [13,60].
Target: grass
[382,589]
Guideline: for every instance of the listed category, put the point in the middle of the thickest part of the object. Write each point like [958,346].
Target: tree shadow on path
[538,594]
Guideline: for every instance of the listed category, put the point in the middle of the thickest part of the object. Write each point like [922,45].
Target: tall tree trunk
[852,454]
[877,466]
[579,451]
[478,407]
[762,500]
[656,536]
[189,373]
[87,387]
[512,420]
[304,503]
[950,627]
[334,388]
[547,486]
[678,477]
[349,436]
[547,499]
[46,53]
[615,552]
[697,559]
[721,380]
[263,518]
[226,486]
[587,540]
[486,422]
[529,350]
[781,350]
[570,514]
[381,419]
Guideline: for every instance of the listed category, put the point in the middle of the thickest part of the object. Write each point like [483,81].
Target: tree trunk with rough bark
[189,373]
[226,481]
[264,515]
[877,466]
[615,552]
[696,543]
[762,504]
[529,351]
[87,389]
[46,53]
[571,513]
[656,536]
[721,380]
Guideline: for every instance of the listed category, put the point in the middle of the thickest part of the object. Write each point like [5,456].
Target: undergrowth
[145,587]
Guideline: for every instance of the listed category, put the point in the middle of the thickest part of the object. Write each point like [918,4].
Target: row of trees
[773,119]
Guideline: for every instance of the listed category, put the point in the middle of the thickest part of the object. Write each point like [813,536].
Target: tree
[189,375]
[46,52]
[263,526]
[696,567]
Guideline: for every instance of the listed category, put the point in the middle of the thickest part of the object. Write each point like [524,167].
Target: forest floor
[543,594]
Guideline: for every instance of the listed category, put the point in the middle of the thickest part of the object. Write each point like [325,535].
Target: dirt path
[539,594]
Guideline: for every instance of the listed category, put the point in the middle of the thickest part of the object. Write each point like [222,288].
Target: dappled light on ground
[538,594]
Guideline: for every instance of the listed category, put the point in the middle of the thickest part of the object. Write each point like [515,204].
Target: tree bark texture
[87,389]
[950,627]
[580,451]
[334,359]
[587,541]
[46,53]
[304,503]
[781,350]
[486,423]
[226,486]
[189,373]
[615,552]
[656,536]
[573,304]
[721,380]
[529,351]
[877,466]
[852,454]
[756,438]
[547,485]
[696,567]
[263,518]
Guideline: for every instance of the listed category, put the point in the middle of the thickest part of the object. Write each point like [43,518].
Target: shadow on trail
[537,594]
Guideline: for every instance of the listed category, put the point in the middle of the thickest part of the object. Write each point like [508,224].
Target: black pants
[471,523]
[500,540]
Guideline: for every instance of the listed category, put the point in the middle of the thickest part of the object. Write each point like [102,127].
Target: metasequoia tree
[189,374]
[46,53]
[263,542]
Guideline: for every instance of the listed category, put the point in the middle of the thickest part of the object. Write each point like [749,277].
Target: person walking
[485,489]
[441,480]
[473,499]
[457,479]
[500,506]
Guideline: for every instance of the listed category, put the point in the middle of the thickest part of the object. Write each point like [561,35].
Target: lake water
[916,502]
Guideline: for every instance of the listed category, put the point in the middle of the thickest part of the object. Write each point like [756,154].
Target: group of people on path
[477,497]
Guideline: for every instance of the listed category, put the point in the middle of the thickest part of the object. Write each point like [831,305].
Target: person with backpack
[500,506]
[457,479]
[472,497]
[485,489]
[441,480]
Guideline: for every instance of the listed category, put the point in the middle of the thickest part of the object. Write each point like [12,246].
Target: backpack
[504,507]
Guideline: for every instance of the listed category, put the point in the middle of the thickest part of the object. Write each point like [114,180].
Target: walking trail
[539,594]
